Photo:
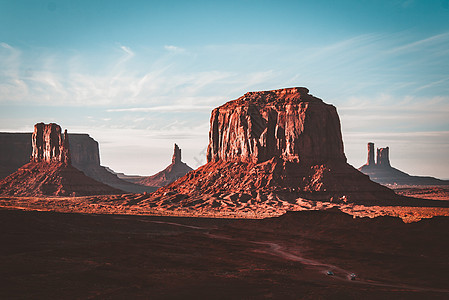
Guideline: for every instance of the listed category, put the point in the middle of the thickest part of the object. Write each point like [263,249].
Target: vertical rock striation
[287,123]
[370,160]
[49,144]
[383,157]
[176,155]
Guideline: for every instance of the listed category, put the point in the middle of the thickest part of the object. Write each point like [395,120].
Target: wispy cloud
[167,108]
[6,46]
[174,49]
[127,50]
[432,40]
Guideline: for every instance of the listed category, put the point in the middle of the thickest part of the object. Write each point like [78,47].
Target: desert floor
[50,255]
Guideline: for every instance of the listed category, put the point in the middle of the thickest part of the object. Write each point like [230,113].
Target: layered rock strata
[269,147]
[50,171]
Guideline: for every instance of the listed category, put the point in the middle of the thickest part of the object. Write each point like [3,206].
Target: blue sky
[139,76]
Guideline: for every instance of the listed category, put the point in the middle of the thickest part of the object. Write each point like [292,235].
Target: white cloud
[166,108]
[127,50]
[6,46]
[432,40]
[174,49]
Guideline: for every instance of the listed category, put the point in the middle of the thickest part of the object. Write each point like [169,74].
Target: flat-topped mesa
[383,157]
[176,155]
[49,144]
[287,123]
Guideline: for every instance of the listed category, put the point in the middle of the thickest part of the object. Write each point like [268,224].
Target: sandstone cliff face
[84,150]
[15,151]
[287,123]
[370,160]
[383,157]
[49,144]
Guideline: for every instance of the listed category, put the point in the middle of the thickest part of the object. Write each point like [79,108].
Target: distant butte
[172,172]
[16,149]
[382,172]
[50,172]
[279,145]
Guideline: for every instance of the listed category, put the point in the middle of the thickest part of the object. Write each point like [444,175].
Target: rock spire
[383,157]
[370,160]
[176,155]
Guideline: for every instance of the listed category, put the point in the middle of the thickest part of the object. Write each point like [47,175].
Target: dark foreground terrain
[48,255]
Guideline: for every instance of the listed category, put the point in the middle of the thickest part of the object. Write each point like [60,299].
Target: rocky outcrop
[370,160]
[16,149]
[52,179]
[84,150]
[50,171]
[49,144]
[171,173]
[287,123]
[269,148]
[176,159]
[382,172]
[383,157]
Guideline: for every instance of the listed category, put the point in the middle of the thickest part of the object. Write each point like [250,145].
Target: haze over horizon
[139,76]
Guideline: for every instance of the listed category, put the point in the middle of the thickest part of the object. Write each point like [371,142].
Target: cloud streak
[166,108]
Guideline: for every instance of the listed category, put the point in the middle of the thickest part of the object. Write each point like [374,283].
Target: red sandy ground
[51,254]
[48,255]
[424,192]
[226,208]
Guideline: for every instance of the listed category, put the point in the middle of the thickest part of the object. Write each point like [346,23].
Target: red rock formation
[176,155]
[50,171]
[370,160]
[171,173]
[48,144]
[16,149]
[383,157]
[382,172]
[270,147]
[287,123]
[52,179]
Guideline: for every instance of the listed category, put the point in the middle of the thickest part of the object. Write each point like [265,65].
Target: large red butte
[282,144]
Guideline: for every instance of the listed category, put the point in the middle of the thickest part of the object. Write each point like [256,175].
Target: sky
[139,76]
